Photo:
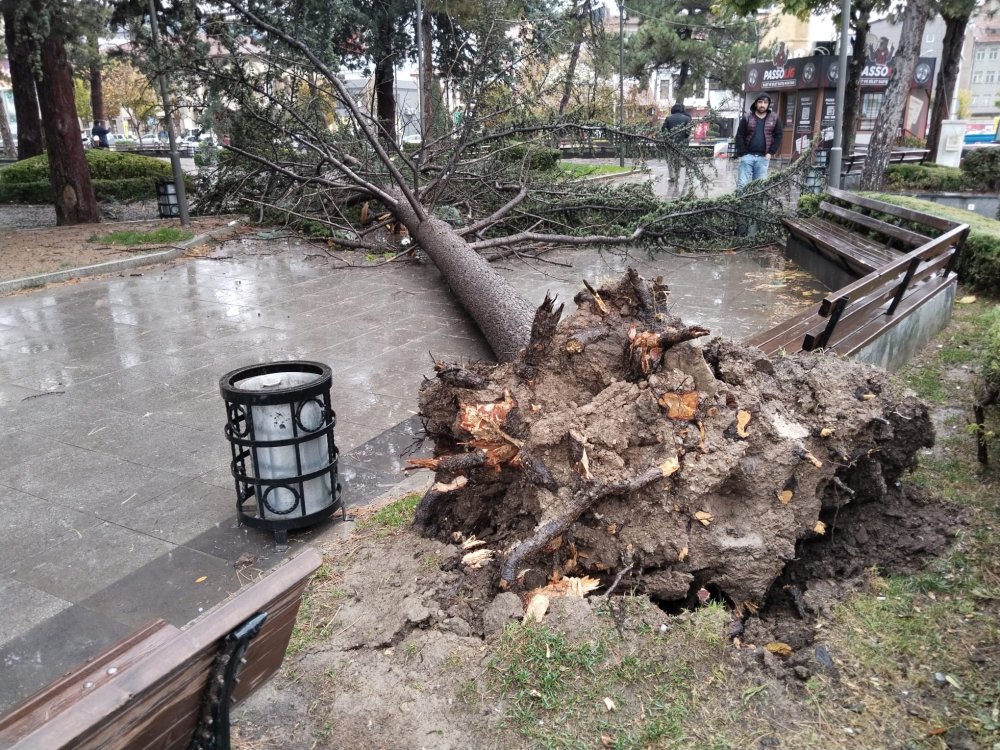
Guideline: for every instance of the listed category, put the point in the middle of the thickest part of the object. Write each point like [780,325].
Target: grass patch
[132,237]
[317,613]
[578,171]
[392,517]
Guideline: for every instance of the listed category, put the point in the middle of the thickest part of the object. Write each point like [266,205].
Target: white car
[149,139]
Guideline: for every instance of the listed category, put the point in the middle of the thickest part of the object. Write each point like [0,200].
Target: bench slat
[157,701]
[870,222]
[903,213]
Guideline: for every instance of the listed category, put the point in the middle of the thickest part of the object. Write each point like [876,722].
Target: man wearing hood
[758,138]
[676,127]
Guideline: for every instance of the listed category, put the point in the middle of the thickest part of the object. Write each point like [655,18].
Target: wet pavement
[116,503]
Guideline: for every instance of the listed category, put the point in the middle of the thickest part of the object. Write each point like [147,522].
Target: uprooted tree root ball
[614,448]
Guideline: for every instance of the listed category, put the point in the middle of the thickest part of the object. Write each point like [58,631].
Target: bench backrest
[155,692]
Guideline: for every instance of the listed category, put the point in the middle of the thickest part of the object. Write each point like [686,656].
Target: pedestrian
[677,128]
[758,138]
[99,134]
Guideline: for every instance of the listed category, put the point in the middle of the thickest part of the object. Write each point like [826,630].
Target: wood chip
[682,555]
[742,420]
[779,648]
[455,484]
[670,466]
[826,432]
[477,558]
[536,609]
[785,496]
[820,527]
[704,517]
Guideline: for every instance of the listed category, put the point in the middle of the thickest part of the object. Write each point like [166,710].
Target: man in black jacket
[676,127]
[758,138]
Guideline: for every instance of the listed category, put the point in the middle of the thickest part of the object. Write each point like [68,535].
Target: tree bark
[503,315]
[29,124]
[852,88]
[947,77]
[385,97]
[890,115]
[97,93]
[70,177]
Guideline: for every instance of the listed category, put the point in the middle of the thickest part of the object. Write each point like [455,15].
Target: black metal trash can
[280,426]
[166,200]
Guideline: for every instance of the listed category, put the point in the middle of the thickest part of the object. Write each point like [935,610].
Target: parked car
[118,139]
[149,139]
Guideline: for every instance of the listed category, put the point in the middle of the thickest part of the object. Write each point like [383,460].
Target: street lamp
[621,81]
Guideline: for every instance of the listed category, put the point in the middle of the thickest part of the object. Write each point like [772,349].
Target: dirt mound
[614,448]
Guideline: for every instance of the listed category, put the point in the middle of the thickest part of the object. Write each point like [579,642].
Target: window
[991,76]
[980,54]
[994,52]
[871,103]
[664,90]
[789,110]
[977,77]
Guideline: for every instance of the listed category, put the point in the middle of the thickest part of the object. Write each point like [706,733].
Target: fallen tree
[613,445]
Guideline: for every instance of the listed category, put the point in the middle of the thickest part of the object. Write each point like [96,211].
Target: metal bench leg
[212,732]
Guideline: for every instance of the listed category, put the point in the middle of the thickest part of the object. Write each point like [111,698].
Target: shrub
[121,177]
[981,169]
[925,177]
[534,157]
[911,141]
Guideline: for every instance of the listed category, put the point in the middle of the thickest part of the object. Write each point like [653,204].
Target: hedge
[116,176]
[979,261]
[979,172]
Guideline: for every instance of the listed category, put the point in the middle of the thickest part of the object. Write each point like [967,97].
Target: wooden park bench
[861,234]
[854,164]
[168,688]
[854,316]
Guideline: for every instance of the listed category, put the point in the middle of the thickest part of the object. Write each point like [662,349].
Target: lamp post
[621,80]
[836,148]
[175,159]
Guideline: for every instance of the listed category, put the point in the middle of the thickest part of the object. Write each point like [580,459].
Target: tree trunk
[9,147]
[97,93]
[947,77]
[427,103]
[74,194]
[503,315]
[22,81]
[385,97]
[890,115]
[574,57]
[852,88]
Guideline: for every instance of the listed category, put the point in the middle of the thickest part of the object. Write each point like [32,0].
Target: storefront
[803,92]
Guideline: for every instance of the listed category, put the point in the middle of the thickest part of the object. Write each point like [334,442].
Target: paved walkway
[115,494]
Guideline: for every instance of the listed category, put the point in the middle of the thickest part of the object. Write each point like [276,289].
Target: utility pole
[621,80]
[175,159]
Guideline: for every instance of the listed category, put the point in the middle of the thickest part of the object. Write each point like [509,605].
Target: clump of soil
[614,447]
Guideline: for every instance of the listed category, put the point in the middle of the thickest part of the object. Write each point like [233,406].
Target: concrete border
[123,264]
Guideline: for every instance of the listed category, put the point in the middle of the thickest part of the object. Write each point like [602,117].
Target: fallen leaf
[785,496]
[742,420]
[867,396]
[457,483]
[472,542]
[245,560]
[826,432]
[968,300]
[201,579]
[536,609]
[680,406]
[682,555]
[670,466]
[820,527]
[704,517]
[607,741]
[478,558]
[779,648]
[610,704]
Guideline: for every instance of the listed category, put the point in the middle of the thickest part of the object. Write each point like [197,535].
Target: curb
[123,264]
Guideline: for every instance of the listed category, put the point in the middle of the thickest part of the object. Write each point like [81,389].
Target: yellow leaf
[742,420]
[682,555]
[670,466]
[704,516]
[820,527]
[967,300]
[868,397]
[826,432]
[779,648]
[785,496]
[201,579]
[536,609]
